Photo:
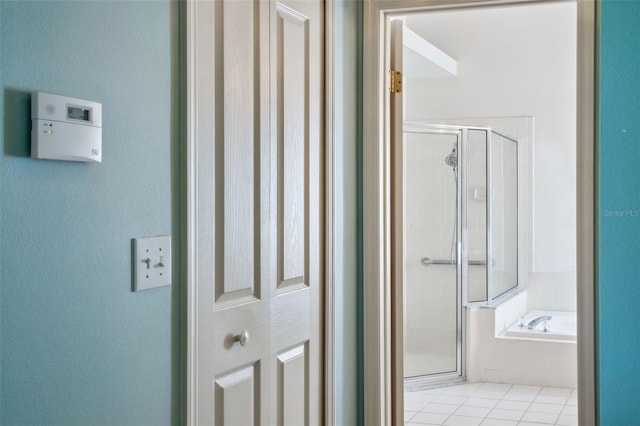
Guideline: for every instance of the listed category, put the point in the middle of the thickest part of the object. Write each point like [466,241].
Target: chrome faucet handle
[522,324]
[534,322]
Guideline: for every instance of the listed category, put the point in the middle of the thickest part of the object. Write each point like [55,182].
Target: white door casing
[254,216]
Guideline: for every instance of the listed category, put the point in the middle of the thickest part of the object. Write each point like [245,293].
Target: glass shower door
[431,236]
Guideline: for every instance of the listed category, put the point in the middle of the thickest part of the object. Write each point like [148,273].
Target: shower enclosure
[460,238]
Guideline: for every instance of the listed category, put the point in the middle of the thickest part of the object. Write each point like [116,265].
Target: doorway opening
[498,232]
[449,251]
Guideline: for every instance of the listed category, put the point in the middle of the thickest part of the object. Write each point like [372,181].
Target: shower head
[452,159]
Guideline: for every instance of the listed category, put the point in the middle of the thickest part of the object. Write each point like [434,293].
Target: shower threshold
[432,381]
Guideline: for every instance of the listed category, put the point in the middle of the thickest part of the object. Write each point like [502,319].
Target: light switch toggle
[152,262]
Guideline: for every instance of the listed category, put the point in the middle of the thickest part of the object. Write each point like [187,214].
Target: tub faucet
[543,319]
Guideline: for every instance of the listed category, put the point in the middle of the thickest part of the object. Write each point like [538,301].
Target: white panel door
[296,246]
[256,105]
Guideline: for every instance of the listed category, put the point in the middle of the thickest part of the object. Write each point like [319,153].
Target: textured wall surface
[508,68]
[78,347]
[1,143]
[347,68]
[619,213]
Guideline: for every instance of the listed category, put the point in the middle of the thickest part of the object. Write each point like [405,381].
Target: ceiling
[461,33]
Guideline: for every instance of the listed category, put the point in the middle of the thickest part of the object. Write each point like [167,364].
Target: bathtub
[499,351]
[562,327]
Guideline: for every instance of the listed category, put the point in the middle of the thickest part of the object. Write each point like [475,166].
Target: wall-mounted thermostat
[65,128]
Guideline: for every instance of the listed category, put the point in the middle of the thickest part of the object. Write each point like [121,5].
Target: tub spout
[534,322]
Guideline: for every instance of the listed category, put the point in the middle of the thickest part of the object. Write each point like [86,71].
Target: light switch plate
[151,262]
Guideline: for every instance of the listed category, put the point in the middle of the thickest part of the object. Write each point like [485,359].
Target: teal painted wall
[347,233]
[619,213]
[78,347]
[1,138]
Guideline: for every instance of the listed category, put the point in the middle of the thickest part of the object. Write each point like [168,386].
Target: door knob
[243,337]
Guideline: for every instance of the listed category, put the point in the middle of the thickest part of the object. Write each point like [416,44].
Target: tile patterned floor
[491,404]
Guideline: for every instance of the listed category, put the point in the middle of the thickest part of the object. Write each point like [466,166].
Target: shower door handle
[426,261]
[458,253]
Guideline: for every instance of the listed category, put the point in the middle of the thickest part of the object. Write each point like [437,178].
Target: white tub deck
[562,327]
[535,358]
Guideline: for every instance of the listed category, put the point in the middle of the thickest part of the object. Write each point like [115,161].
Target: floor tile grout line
[466,397]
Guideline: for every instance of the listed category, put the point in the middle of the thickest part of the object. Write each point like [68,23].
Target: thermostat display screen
[77,113]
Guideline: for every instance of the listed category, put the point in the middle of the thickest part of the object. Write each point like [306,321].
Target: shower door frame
[461,254]
[462,238]
[381,390]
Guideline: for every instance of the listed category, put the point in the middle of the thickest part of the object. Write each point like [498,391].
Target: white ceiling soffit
[423,60]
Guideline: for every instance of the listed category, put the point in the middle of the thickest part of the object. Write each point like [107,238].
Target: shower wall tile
[522,129]
[430,308]
[509,312]
[553,291]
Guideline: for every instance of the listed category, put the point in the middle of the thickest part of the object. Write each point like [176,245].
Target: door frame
[377,291]
[189,152]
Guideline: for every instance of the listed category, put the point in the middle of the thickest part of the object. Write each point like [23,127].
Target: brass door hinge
[395,81]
